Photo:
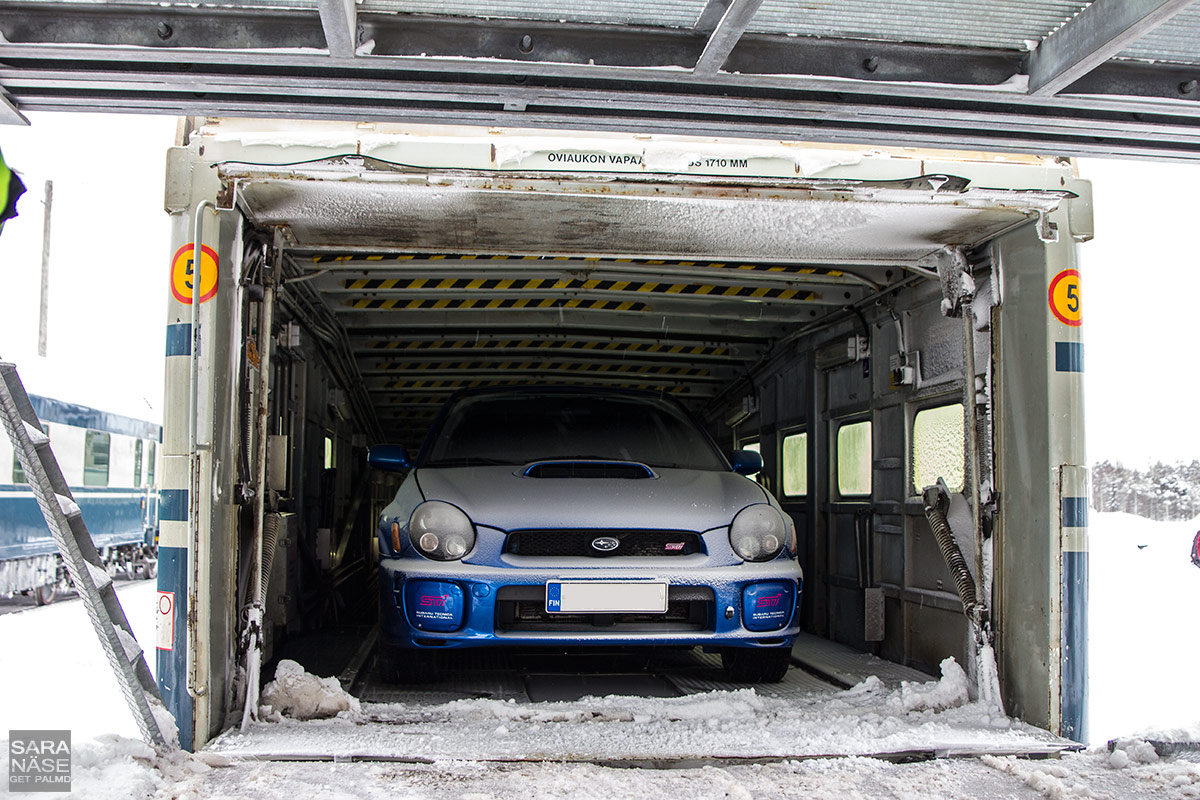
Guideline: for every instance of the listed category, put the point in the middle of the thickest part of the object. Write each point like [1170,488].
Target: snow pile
[301,695]
[165,720]
[950,692]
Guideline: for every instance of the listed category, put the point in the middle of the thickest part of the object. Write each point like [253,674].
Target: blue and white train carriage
[110,463]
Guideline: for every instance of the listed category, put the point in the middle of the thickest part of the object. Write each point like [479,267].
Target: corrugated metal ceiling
[666,13]
[974,23]
[1177,41]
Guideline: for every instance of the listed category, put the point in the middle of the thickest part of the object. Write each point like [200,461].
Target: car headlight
[441,531]
[758,533]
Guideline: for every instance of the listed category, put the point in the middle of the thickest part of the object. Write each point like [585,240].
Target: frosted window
[150,466]
[795,465]
[328,453]
[938,447]
[137,463]
[95,458]
[854,459]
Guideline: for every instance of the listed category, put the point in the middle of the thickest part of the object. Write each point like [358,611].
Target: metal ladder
[91,579]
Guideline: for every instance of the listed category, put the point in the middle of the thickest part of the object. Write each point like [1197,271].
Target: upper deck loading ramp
[1055,77]
[443,280]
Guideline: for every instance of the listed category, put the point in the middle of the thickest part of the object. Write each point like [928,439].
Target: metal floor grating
[705,675]
[526,676]
[849,666]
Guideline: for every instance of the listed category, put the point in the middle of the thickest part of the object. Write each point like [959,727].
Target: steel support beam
[729,274]
[339,19]
[534,372]
[1097,34]
[614,361]
[266,62]
[728,32]
[9,114]
[615,322]
[443,345]
[417,385]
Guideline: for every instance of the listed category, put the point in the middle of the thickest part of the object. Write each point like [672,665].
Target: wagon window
[795,465]
[137,462]
[854,459]
[938,447]
[95,458]
[150,465]
[18,473]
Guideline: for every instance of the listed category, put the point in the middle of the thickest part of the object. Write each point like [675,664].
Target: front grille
[523,608]
[643,544]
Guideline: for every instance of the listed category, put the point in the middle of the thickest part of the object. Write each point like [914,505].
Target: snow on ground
[54,674]
[1143,649]
[870,718]
[1144,634]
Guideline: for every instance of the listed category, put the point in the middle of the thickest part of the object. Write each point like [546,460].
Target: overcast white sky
[110,251]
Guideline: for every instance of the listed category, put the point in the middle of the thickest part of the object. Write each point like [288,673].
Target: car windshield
[520,428]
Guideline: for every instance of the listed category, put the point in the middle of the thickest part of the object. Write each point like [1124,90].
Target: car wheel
[756,665]
[44,595]
[408,666]
[149,568]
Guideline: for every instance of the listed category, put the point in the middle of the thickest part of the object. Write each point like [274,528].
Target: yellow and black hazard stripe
[549,344]
[456,384]
[613,368]
[790,268]
[568,285]
[525,303]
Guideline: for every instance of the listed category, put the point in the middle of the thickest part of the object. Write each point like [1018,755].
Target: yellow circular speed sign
[1064,298]
[183,273]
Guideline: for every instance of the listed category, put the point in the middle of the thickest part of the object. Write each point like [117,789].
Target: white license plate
[606,597]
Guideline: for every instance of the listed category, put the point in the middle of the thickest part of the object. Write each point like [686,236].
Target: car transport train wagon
[109,462]
[896,332]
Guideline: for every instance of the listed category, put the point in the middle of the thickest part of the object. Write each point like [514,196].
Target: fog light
[767,606]
[435,605]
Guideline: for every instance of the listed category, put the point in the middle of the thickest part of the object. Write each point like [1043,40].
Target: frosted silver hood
[678,499]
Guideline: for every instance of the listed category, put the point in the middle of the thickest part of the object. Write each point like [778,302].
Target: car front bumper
[487,606]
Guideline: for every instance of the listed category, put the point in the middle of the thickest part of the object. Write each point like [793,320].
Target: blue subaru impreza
[581,517]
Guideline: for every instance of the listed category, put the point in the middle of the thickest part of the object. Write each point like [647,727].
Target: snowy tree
[1163,492]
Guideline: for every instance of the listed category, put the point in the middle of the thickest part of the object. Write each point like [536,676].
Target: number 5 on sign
[183,272]
[1064,298]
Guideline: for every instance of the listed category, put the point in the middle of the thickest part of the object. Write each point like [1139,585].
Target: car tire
[44,594]
[149,568]
[408,666]
[756,665]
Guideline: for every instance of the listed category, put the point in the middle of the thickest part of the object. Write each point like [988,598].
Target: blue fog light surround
[435,605]
[767,606]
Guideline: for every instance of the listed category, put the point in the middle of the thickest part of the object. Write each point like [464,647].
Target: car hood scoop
[676,499]
[581,468]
